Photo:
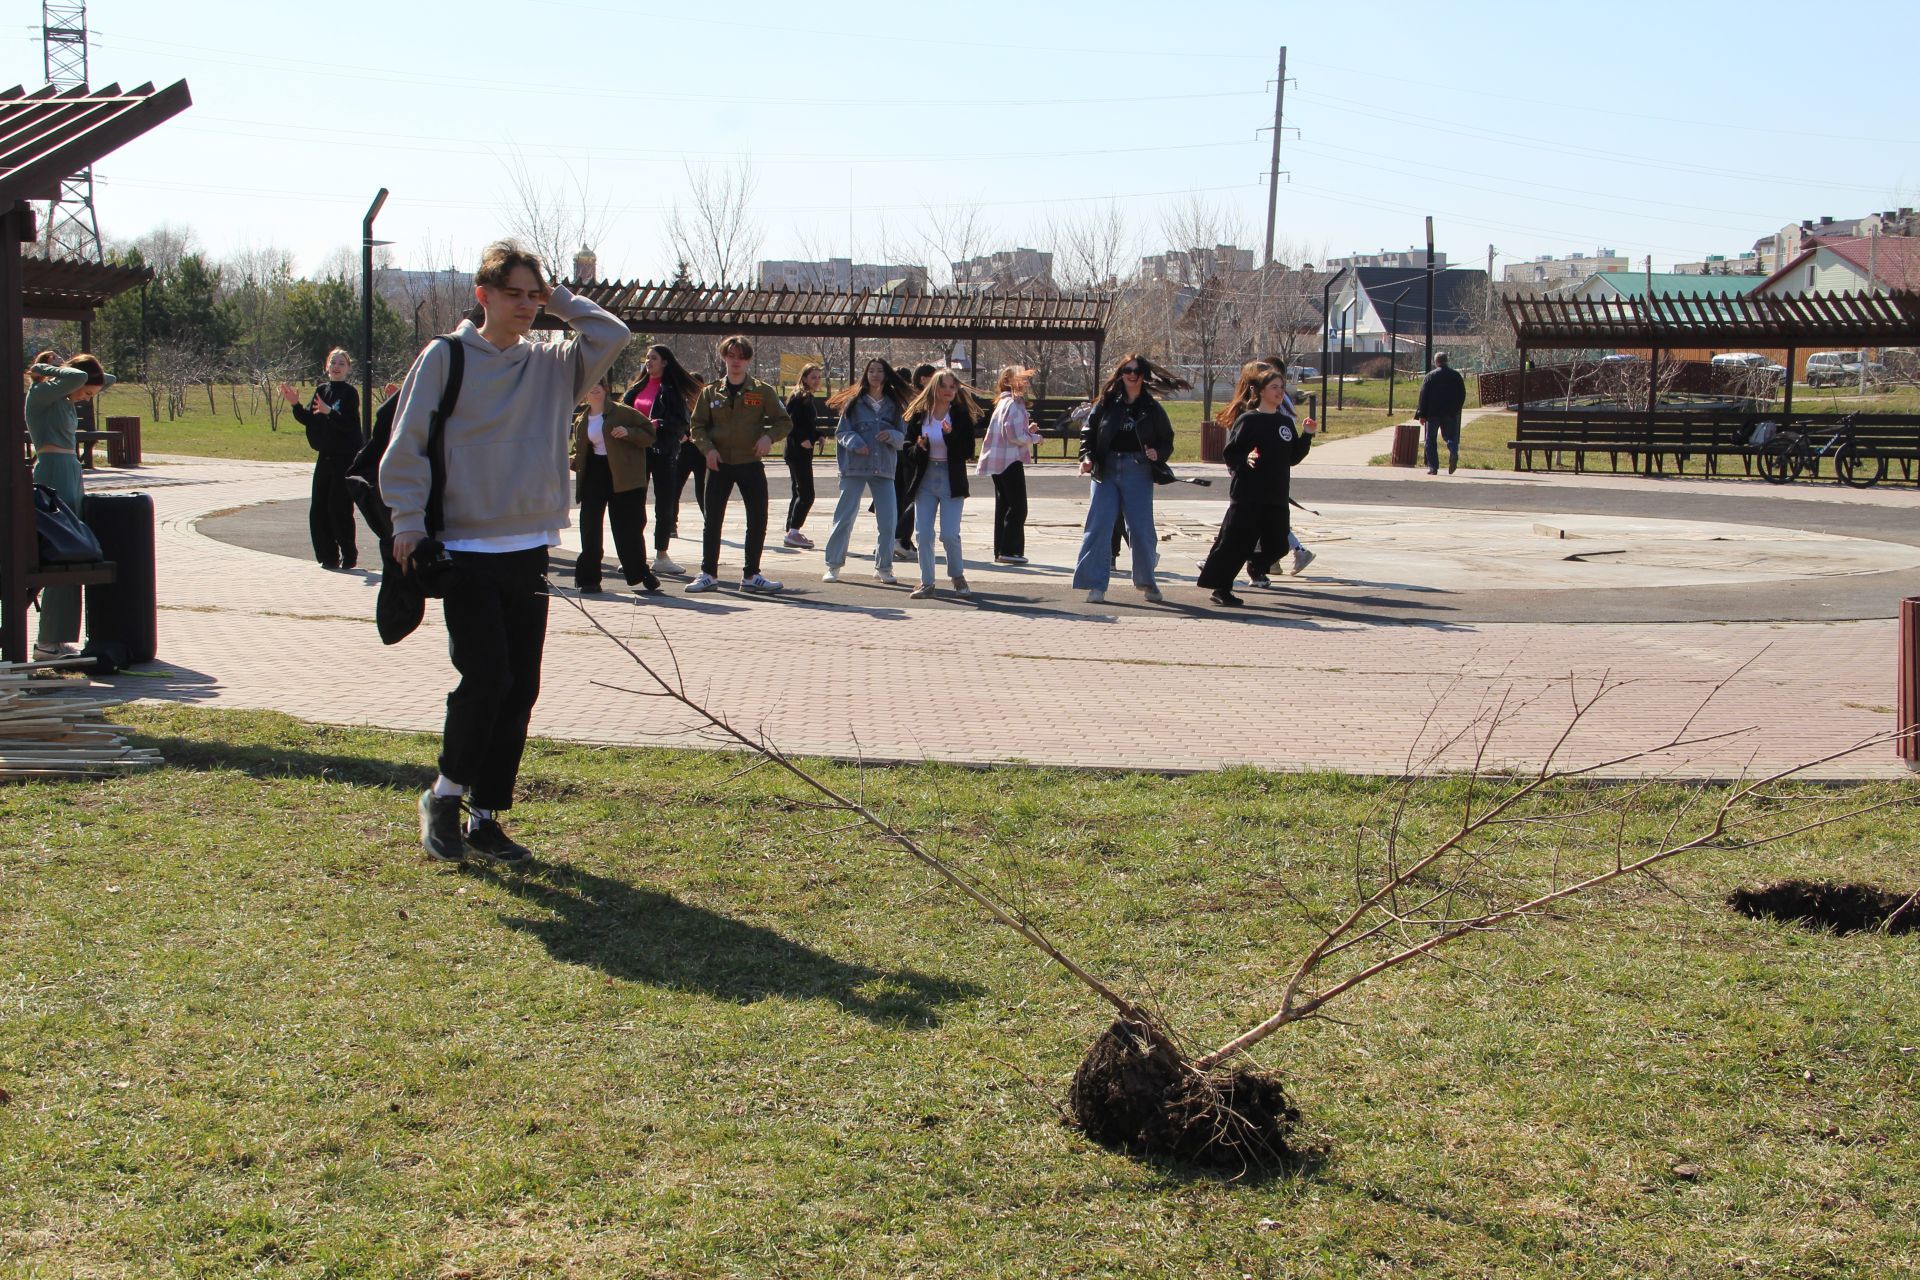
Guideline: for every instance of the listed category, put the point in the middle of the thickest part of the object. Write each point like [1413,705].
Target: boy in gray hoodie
[503,503]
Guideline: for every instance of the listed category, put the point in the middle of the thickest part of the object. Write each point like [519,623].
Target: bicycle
[1798,449]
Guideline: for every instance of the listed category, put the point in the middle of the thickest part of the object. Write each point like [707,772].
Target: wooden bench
[1678,437]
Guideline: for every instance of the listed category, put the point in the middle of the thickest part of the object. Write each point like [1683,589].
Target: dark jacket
[961,439]
[805,412]
[1149,421]
[730,420]
[1442,395]
[670,416]
[1281,445]
[337,432]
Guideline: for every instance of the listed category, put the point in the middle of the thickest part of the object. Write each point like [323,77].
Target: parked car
[1751,362]
[1302,373]
[1839,368]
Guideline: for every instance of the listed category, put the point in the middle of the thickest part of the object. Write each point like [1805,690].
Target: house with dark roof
[1365,300]
[1848,264]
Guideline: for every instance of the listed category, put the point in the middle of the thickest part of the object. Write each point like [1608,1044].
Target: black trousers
[800,472]
[750,478]
[496,610]
[666,481]
[1247,525]
[691,464]
[330,516]
[627,512]
[1010,511]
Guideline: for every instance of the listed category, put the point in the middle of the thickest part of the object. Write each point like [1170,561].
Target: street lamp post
[367,244]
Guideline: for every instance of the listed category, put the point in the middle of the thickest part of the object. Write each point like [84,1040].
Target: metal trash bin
[126,611]
[1406,444]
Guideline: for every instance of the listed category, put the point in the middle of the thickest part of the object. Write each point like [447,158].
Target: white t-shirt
[935,431]
[597,433]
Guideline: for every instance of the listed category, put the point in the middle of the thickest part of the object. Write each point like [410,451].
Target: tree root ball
[1134,1092]
[1820,904]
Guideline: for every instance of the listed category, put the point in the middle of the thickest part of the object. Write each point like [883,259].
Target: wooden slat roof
[1835,319]
[700,308]
[51,134]
[69,290]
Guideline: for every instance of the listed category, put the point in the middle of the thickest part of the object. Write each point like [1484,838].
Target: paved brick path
[1133,687]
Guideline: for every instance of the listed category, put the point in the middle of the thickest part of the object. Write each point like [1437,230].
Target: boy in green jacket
[736,423]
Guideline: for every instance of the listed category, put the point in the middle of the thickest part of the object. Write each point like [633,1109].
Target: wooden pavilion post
[19,547]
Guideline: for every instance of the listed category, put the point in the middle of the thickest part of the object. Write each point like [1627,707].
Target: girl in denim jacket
[867,449]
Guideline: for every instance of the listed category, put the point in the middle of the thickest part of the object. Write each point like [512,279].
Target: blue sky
[1675,130]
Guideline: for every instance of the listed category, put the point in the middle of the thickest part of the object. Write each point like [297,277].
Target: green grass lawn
[249,1030]
[202,433]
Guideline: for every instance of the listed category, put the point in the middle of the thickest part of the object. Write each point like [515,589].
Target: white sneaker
[885,578]
[1096,596]
[1152,595]
[797,540]
[960,587]
[1259,580]
[1301,559]
[48,652]
[760,584]
[661,564]
[1009,559]
[705,582]
[832,574]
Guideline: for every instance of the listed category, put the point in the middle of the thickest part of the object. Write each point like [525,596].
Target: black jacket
[1443,394]
[960,451]
[805,412]
[1281,445]
[670,415]
[1149,421]
[336,433]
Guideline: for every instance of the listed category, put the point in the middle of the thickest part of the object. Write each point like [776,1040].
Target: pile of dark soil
[1135,1093]
[1821,904]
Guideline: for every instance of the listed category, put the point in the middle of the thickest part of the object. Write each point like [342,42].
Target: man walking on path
[1442,396]
[736,423]
[499,501]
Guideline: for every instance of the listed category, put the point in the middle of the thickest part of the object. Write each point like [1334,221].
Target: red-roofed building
[1843,264]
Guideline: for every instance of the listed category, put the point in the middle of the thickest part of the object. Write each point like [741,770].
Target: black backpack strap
[437,430]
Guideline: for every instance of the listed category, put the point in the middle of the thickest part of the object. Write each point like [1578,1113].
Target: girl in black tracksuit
[332,420]
[802,442]
[1263,447]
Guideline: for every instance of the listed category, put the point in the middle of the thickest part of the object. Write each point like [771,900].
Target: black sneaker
[440,827]
[490,844]
[649,582]
[1226,598]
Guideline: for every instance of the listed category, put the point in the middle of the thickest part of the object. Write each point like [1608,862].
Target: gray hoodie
[506,443]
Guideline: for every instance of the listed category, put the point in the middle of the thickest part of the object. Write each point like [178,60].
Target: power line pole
[1273,171]
[73,230]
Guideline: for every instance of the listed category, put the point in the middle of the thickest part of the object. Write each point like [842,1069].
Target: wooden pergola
[45,136]
[1020,316]
[1666,323]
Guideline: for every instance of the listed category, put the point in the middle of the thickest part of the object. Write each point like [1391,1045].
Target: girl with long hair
[54,392]
[866,447]
[802,443]
[332,420]
[942,426]
[1004,456]
[1121,443]
[665,394]
[1263,447]
[903,527]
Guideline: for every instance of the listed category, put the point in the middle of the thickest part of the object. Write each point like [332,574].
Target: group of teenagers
[908,444]
[476,474]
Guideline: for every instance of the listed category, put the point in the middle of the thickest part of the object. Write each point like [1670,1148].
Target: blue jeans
[846,510]
[936,492]
[1450,432]
[1126,492]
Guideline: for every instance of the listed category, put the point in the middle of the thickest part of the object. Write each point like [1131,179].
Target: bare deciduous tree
[718,236]
[554,219]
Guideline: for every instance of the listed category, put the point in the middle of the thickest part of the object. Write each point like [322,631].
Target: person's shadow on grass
[644,935]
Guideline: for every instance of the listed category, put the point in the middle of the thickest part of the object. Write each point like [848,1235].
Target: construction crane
[73,229]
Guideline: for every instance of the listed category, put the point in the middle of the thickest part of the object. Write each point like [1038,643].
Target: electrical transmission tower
[73,229]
